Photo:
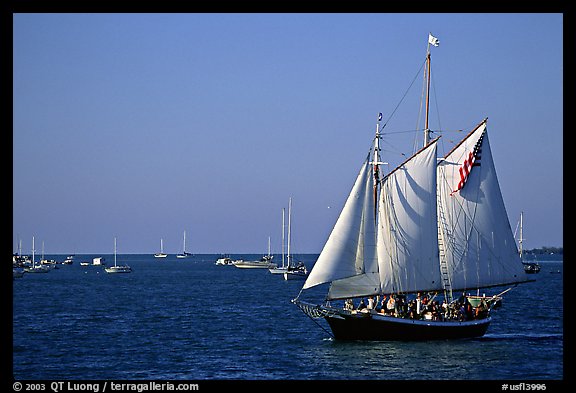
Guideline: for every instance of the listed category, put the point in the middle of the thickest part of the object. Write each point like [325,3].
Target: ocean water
[189,319]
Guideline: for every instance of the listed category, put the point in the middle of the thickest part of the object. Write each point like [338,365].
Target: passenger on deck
[383,305]
[377,304]
[391,305]
[436,311]
[370,302]
[481,310]
[469,310]
[348,305]
[400,306]
[361,305]
[412,309]
[445,311]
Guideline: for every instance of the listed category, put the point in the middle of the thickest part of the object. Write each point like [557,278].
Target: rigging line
[422,93]
[469,217]
[312,319]
[436,102]
[404,96]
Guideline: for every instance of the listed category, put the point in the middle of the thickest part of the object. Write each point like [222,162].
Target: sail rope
[404,96]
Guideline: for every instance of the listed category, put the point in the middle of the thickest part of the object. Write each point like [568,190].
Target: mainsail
[479,247]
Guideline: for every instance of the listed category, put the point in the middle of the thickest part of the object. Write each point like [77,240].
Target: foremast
[376,165]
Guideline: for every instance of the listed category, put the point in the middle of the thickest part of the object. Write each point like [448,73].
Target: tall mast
[426,129]
[283,230]
[521,238]
[114,251]
[376,162]
[434,41]
[289,220]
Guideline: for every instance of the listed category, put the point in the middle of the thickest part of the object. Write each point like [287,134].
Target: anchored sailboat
[263,263]
[36,268]
[283,268]
[529,267]
[161,253]
[117,268]
[294,270]
[430,229]
[184,254]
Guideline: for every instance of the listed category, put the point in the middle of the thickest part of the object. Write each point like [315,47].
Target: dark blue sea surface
[177,319]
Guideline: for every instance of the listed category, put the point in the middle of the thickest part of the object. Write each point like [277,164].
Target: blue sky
[142,126]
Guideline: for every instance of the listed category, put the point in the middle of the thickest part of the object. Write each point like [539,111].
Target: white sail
[479,248]
[407,226]
[350,248]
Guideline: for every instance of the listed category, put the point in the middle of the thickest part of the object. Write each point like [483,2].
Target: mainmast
[289,257]
[434,41]
[521,238]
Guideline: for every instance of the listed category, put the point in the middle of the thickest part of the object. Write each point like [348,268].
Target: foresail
[350,248]
[479,247]
[407,226]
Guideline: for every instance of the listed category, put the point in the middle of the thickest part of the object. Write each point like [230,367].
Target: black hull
[384,328]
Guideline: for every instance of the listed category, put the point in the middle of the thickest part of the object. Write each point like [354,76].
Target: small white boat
[161,253]
[69,260]
[224,261]
[264,263]
[117,268]
[37,269]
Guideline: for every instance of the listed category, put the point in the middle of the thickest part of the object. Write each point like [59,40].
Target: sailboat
[161,253]
[263,263]
[294,271]
[184,253]
[117,268]
[36,268]
[50,263]
[419,237]
[284,267]
[529,267]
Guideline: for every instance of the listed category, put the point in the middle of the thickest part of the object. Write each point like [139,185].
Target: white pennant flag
[433,40]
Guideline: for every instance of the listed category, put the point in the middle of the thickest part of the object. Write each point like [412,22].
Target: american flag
[469,162]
